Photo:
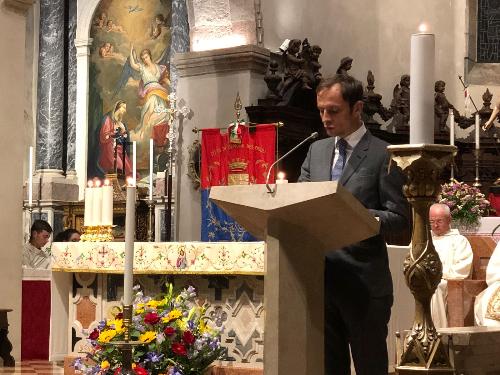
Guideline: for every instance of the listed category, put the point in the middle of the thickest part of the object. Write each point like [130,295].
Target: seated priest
[487,304]
[455,253]
[34,256]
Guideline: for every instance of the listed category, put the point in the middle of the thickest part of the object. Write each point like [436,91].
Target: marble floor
[34,367]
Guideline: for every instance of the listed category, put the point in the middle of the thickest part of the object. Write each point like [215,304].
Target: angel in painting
[153,94]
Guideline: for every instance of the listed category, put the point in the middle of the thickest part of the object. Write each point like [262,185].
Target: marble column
[50,108]
[71,116]
[180,36]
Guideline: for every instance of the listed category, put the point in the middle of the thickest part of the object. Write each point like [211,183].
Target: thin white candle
[107,203]
[422,88]
[452,127]
[478,124]
[97,203]
[87,213]
[134,162]
[128,277]
[151,169]
[30,178]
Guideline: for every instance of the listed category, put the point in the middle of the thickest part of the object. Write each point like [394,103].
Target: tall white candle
[107,203]
[478,125]
[97,203]
[452,127]
[30,178]
[134,162]
[128,277]
[151,169]
[422,88]
[87,214]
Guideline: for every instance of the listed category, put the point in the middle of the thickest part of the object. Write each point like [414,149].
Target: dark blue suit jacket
[362,268]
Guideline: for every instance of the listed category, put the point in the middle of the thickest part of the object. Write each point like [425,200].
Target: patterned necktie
[337,169]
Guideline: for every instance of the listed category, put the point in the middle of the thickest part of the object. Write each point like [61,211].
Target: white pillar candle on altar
[134,162]
[88,211]
[151,169]
[281,179]
[452,127]
[30,178]
[422,87]
[478,125]
[107,203]
[97,203]
[128,277]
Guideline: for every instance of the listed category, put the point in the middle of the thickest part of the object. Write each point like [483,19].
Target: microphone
[271,190]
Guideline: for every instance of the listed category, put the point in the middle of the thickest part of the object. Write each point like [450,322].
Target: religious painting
[129,84]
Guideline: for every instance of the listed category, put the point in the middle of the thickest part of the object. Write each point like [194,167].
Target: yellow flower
[104,364]
[118,323]
[153,304]
[140,308]
[202,327]
[147,337]
[106,336]
[182,324]
[172,315]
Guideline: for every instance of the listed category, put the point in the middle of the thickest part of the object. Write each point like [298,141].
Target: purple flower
[153,357]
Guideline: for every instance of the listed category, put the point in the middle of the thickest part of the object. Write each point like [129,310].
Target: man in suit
[358,284]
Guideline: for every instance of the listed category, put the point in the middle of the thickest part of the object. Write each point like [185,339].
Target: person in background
[455,253]
[68,235]
[33,254]
[487,303]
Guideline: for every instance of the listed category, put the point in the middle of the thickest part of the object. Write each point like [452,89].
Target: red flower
[119,315]
[140,370]
[94,334]
[169,331]
[179,349]
[188,338]
[118,371]
[151,318]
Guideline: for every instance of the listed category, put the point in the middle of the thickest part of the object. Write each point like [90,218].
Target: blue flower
[153,357]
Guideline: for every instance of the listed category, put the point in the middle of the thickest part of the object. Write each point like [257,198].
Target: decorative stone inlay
[157,257]
[239,58]
[85,311]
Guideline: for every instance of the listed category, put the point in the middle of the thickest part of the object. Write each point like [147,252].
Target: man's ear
[358,108]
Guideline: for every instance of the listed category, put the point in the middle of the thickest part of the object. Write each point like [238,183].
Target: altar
[87,287]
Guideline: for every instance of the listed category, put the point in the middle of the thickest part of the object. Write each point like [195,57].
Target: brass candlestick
[424,351]
[97,233]
[477,154]
[126,346]
[151,221]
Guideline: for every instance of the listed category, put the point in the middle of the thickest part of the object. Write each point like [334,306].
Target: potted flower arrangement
[176,338]
[467,204]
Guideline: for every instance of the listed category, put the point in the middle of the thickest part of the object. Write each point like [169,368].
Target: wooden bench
[462,293]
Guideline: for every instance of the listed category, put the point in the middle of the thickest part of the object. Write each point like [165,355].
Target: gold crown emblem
[238,164]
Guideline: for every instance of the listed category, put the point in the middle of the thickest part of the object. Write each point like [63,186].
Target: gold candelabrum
[422,351]
[97,233]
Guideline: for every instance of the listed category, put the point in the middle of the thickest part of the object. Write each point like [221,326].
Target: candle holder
[423,350]
[126,346]
[477,155]
[151,205]
[97,233]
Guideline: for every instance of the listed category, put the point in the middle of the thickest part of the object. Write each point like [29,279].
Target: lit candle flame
[281,175]
[97,183]
[107,182]
[90,183]
[423,27]
[130,181]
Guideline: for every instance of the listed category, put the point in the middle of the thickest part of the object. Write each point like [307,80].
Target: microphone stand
[271,190]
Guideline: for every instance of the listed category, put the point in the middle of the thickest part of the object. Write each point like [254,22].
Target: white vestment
[487,304]
[455,253]
[35,258]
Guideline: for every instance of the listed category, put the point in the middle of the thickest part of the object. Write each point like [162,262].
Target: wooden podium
[300,223]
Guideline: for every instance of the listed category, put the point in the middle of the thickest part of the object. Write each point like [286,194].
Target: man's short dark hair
[350,88]
[39,226]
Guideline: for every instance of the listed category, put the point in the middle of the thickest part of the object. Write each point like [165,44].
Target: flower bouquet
[175,337]
[467,204]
